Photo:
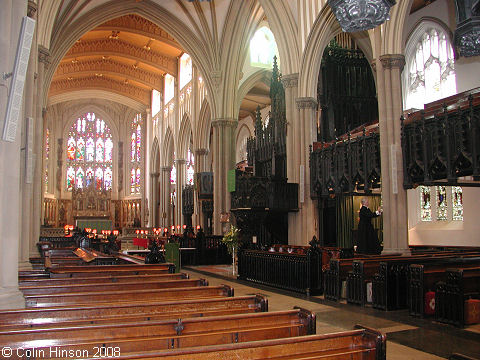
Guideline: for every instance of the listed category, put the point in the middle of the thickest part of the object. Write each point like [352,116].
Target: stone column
[154,200]
[290,83]
[165,197]
[181,174]
[201,165]
[11,13]
[147,135]
[223,151]
[38,189]
[394,197]
[28,183]
[302,225]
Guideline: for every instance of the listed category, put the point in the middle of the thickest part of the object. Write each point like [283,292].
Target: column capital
[373,65]
[201,152]
[43,55]
[290,80]
[306,103]
[228,122]
[390,61]
[166,168]
[31,8]
[154,175]
[180,161]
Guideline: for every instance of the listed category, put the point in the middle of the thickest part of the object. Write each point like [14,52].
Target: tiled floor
[407,337]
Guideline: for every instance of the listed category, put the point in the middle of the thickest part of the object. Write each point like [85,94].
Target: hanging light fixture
[467,34]
[359,15]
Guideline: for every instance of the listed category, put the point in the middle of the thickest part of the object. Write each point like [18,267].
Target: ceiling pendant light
[359,15]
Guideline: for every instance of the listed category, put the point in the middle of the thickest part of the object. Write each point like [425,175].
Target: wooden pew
[166,334]
[147,295]
[102,270]
[450,295]
[338,271]
[126,286]
[103,279]
[423,278]
[363,343]
[129,312]
[390,284]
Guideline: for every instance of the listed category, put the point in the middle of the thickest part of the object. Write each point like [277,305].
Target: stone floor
[407,337]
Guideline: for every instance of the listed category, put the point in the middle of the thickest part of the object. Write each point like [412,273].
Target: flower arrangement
[232,239]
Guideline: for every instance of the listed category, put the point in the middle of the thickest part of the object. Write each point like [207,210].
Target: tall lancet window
[89,154]
[185,70]
[425,204]
[47,157]
[442,203]
[429,74]
[190,167]
[136,154]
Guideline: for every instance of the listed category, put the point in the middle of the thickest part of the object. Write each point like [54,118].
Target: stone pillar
[223,151]
[201,165]
[302,225]
[11,13]
[165,197]
[28,184]
[181,177]
[394,196]
[38,190]
[290,83]
[154,200]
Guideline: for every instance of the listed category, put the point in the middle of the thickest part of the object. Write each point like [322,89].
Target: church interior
[216,179]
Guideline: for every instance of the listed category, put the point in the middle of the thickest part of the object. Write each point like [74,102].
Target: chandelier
[467,34]
[358,15]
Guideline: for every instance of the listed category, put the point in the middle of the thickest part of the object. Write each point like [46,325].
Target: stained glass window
[89,153]
[441,196]
[173,175]
[457,203]
[169,88]
[190,167]
[430,64]
[136,154]
[425,204]
[47,156]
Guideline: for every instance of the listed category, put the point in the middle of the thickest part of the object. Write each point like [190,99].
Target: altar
[91,208]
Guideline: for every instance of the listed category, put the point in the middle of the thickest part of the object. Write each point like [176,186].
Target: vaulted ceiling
[128,55]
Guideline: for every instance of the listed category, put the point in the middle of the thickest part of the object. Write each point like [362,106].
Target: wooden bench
[166,334]
[102,270]
[129,312]
[338,271]
[450,295]
[423,278]
[103,279]
[363,343]
[147,295]
[126,286]
[390,284]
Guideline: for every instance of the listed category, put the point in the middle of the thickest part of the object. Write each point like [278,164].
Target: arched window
[190,167]
[156,102]
[173,175]
[136,154]
[47,157]
[89,154]
[429,74]
[447,203]
[185,70]
[263,48]
[169,88]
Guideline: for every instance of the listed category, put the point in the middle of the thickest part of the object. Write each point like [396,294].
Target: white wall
[445,233]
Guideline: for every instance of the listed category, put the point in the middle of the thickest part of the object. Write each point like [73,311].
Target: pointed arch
[184,137]
[155,156]
[260,76]
[168,148]
[201,139]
